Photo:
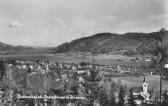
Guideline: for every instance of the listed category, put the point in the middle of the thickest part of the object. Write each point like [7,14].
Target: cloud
[129,23]
[85,22]
[161,20]
[158,17]
[15,24]
[108,18]
[160,1]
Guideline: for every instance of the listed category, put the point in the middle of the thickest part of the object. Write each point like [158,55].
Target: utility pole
[161,81]
[45,94]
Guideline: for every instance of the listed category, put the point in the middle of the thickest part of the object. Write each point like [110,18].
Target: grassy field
[80,57]
[109,59]
[153,82]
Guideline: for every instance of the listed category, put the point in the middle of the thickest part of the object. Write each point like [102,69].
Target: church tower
[145,93]
[145,86]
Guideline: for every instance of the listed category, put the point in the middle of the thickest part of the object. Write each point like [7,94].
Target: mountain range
[111,42]
[7,49]
[128,43]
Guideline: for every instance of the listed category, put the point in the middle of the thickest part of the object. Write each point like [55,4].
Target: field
[109,59]
[153,82]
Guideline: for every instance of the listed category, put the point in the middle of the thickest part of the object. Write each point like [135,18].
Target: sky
[50,23]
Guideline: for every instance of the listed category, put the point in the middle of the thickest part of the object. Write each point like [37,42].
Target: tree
[131,99]
[103,97]
[2,69]
[91,86]
[9,79]
[165,100]
[121,96]
[13,62]
[162,54]
[162,47]
[8,98]
[36,82]
[111,97]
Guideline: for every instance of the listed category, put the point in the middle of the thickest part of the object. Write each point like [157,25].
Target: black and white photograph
[83,52]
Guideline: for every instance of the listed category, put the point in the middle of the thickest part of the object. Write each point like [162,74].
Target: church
[141,94]
[145,93]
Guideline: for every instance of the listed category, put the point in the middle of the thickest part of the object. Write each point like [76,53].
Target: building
[141,93]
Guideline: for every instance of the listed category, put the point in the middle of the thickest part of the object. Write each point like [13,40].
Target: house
[95,103]
[148,60]
[24,66]
[81,80]
[71,104]
[165,96]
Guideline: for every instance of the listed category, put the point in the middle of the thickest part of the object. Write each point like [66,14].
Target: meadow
[153,82]
[108,59]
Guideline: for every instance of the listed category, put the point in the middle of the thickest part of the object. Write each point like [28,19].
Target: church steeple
[145,86]
[144,80]
[145,93]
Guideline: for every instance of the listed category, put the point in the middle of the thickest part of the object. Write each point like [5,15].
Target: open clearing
[153,82]
[109,59]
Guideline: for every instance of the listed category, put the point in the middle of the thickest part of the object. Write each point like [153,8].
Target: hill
[6,49]
[110,42]
[128,44]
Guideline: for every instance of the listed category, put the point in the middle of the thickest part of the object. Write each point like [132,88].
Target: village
[48,78]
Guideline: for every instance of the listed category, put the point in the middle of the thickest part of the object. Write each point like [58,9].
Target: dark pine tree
[2,69]
[111,96]
[103,97]
[121,101]
[131,99]
[91,86]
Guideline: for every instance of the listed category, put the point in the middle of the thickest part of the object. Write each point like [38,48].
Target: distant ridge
[6,49]
[4,46]
[110,42]
[127,43]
